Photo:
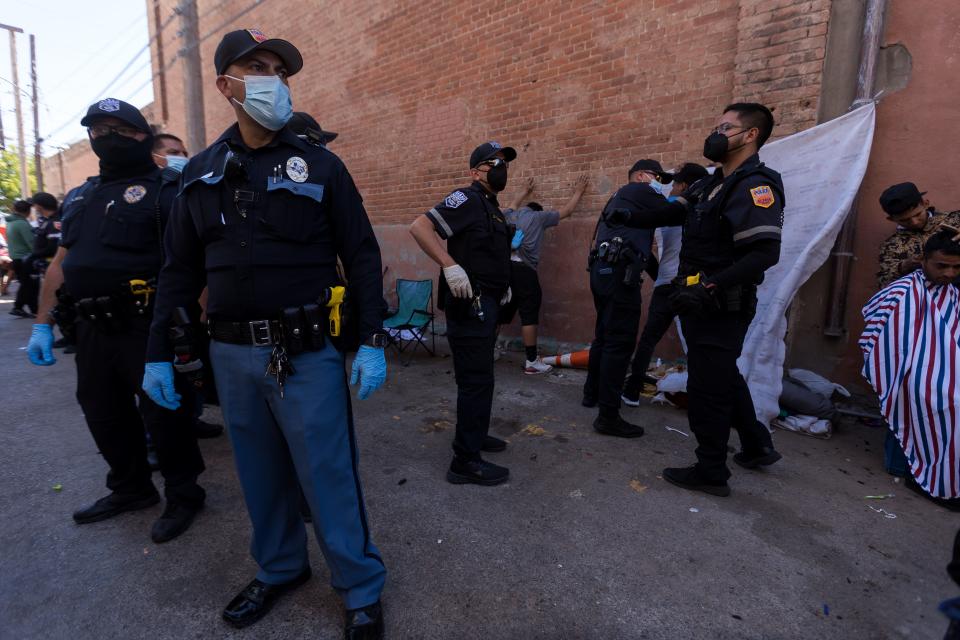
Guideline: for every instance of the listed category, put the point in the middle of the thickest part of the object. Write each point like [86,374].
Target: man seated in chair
[911,347]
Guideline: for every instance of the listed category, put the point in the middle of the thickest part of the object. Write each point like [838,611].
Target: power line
[65,77]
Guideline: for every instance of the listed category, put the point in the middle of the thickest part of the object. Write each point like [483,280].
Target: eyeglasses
[493,162]
[99,130]
[727,126]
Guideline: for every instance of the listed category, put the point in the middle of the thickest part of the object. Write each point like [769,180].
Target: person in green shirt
[20,245]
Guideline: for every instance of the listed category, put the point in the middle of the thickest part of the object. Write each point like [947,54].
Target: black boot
[256,600]
[763,458]
[365,623]
[176,519]
[689,478]
[610,425]
[113,505]
[493,445]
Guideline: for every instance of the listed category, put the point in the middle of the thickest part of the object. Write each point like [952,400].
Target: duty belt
[260,333]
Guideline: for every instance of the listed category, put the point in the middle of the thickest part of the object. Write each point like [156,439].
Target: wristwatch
[378,340]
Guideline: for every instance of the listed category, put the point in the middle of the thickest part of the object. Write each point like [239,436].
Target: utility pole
[192,75]
[37,166]
[24,181]
[161,63]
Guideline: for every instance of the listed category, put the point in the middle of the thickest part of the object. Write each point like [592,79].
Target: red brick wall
[588,87]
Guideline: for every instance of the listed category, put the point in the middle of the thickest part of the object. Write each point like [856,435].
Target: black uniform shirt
[112,234]
[636,197]
[263,228]
[47,237]
[734,212]
[477,233]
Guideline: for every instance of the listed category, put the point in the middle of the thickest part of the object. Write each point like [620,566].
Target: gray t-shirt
[533,224]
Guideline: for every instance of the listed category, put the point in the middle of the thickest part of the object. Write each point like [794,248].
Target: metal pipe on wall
[870,43]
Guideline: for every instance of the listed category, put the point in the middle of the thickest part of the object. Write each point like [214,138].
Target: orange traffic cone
[575,360]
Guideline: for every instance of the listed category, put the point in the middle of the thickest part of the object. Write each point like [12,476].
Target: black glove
[695,192]
[691,300]
[616,217]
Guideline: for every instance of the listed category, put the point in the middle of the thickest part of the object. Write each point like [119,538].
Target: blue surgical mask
[176,162]
[656,186]
[267,101]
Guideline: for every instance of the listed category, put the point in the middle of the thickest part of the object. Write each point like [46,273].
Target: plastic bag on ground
[817,383]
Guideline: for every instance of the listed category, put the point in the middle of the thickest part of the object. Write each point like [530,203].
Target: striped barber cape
[911,358]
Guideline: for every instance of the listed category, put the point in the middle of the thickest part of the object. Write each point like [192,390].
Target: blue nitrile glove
[158,383]
[517,239]
[369,369]
[40,347]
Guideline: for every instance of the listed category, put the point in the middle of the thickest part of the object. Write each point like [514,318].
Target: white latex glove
[458,281]
[507,297]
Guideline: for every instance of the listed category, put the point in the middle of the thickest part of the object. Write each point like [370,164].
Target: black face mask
[717,146]
[121,156]
[497,177]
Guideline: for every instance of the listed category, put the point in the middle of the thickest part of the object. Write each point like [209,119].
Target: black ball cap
[304,124]
[689,173]
[900,198]
[243,42]
[113,108]
[489,150]
[652,166]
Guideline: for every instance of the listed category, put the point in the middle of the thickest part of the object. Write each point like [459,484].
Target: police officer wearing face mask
[474,283]
[169,151]
[617,261]
[109,256]
[261,220]
[732,224]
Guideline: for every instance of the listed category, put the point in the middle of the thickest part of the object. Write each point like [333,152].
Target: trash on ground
[637,486]
[880,497]
[58,487]
[685,435]
[576,493]
[807,425]
[884,512]
[533,430]
[694,510]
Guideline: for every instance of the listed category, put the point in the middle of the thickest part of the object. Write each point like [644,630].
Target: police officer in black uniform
[108,259]
[732,224]
[262,218]
[619,256]
[474,283]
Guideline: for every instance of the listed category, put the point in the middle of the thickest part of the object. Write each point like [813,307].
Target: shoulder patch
[455,199]
[762,196]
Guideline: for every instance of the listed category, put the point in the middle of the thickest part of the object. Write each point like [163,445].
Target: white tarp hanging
[822,169]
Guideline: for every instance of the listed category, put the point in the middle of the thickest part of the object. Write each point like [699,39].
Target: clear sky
[82,48]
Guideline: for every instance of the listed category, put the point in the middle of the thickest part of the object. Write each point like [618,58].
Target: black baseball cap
[242,42]
[304,124]
[490,149]
[689,173]
[113,108]
[649,165]
[900,197]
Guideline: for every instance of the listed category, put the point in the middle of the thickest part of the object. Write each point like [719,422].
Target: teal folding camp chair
[412,318]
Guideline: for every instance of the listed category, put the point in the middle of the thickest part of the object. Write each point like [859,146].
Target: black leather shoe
[70,348]
[588,401]
[463,471]
[256,600]
[365,623]
[176,519]
[688,478]
[618,427]
[764,458]
[113,505]
[203,429]
[493,445]
[59,343]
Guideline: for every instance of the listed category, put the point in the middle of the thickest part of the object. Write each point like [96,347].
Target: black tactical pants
[659,318]
[718,396]
[109,373]
[471,342]
[618,319]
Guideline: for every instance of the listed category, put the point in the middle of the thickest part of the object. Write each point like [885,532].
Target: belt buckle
[260,333]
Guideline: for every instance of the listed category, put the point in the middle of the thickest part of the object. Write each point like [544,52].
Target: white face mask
[267,100]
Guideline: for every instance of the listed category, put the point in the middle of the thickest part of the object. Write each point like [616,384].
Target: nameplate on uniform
[762,196]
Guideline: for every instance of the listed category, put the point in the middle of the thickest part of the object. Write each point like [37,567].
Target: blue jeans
[308,436]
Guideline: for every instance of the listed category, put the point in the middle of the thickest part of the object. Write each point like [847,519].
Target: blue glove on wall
[369,369]
[40,347]
[158,383]
[517,239]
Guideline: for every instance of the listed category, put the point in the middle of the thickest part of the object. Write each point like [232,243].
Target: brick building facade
[586,87]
